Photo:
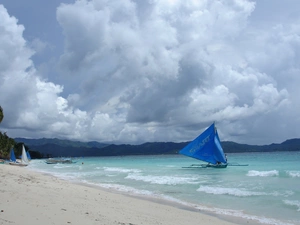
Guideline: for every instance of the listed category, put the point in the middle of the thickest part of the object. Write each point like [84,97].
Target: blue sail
[219,153]
[206,147]
[12,155]
[28,155]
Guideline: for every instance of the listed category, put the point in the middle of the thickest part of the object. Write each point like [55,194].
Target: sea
[267,191]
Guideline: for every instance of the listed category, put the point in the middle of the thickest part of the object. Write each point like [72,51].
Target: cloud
[38,45]
[137,71]
[29,103]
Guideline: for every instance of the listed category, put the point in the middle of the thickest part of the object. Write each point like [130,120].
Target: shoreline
[42,198]
[233,220]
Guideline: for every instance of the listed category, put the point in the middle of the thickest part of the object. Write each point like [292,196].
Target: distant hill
[66,148]
[288,145]
[56,141]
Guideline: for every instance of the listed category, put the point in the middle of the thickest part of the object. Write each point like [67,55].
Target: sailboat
[24,159]
[206,147]
[28,155]
[12,157]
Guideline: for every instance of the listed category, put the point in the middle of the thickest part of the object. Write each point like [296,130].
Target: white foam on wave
[126,189]
[227,212]
[169,180]
[61,166]
[255,173]
[136,192]
[171,166]
[294,203]
[239,192]
[293,173]
[229,191]
[121,170]
[241,214]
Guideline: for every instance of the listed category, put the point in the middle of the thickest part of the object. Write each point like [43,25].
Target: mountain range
[45,147]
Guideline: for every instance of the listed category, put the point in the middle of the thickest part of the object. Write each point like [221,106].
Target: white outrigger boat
[59,160]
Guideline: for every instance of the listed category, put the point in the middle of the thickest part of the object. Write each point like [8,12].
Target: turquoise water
[267,191]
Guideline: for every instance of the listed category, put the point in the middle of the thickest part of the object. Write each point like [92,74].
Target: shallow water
[266,191]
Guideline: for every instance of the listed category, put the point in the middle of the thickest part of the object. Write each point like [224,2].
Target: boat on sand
[24,160]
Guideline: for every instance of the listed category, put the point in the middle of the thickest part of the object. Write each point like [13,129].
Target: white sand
[31,198]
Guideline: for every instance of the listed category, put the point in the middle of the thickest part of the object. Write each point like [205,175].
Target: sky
[136,71]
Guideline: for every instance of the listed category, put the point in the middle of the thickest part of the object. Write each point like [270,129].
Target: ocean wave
[240,192]
[229,191]
[293,173]
[121,170]
[219,211]
[169,180]
[241,214]
[255,173]
[126,189]
[62,166]
[293,203]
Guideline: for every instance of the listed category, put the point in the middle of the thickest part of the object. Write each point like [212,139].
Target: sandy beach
[33,198]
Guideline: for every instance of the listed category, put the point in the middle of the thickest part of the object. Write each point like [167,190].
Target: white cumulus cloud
[138,71]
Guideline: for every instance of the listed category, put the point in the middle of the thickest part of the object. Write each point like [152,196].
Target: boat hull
[59,161]
[218,166]
[17,164]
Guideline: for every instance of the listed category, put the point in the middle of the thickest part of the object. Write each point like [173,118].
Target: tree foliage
[6,143]
[1,114]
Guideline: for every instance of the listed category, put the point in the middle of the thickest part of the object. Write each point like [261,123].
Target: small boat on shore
[59,160]
[24,160]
